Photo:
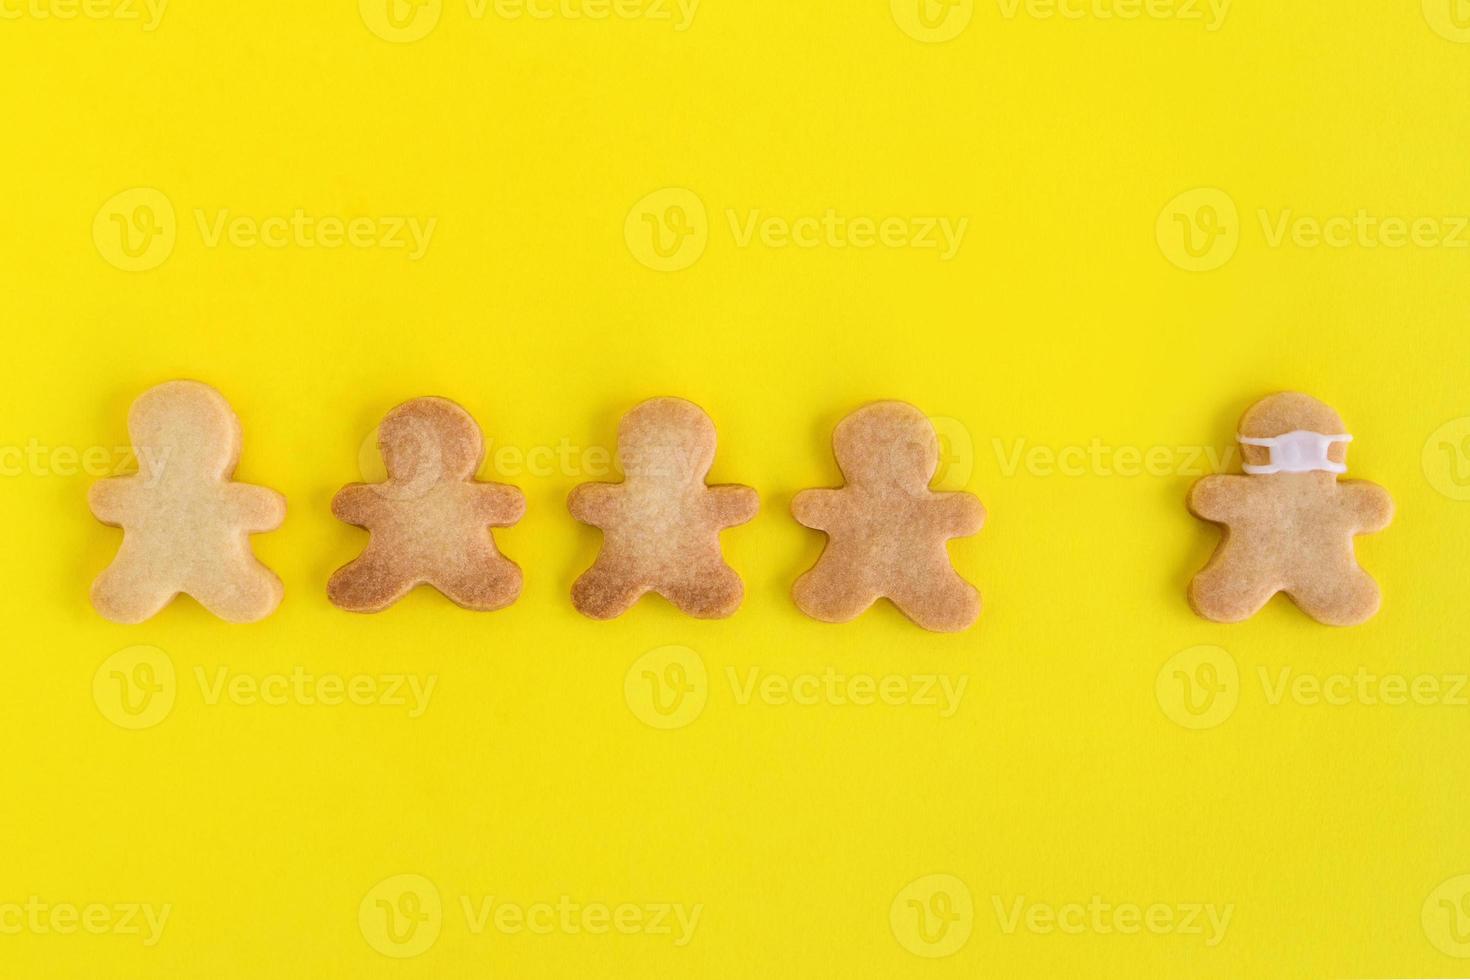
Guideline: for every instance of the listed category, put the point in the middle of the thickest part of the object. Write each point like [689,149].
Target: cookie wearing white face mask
[1289,520]
[1300,451]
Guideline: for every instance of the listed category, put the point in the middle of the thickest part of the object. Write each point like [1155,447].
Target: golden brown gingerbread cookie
[886,530]
[186,525]
[1289,522]
[661,526]
[430,520]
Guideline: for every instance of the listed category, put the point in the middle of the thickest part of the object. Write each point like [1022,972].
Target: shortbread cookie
[661,526]
[1289,523]
[430,520]
[886,530]
[186,525]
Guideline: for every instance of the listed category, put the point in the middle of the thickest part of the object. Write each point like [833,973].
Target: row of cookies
[186,523]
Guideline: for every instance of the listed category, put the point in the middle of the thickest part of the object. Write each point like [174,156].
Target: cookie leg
[125,592]
[367,585]
[1345,596]
[948,605]
[1229,592]
[832,593]
[603,592]
[713,592]
[242,593]
[483,586]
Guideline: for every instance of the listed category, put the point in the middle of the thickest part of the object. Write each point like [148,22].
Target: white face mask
[1297,452]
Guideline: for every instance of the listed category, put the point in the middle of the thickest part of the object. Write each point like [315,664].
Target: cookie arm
[356,503]
[257,509]
[732,505]
[813,508]
[594,503]
[110,500]
[1369,503]
[499,504]
[961,514]
[1216,498]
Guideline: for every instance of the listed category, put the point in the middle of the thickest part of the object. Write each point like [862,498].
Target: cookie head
[428,441]
[666,440]
[184,429]
[1289,432]
[888,443]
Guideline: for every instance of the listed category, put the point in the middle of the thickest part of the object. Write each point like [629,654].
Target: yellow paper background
[1066,323]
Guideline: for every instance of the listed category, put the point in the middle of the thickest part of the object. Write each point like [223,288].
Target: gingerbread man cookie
[1289,522]
[886,530]
[661,526]
[430,520]
[186,524]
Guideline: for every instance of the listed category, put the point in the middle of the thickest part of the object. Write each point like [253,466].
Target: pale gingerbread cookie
[661,526]
[186,525]
[886,529]
[1289,523]
[430,520]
